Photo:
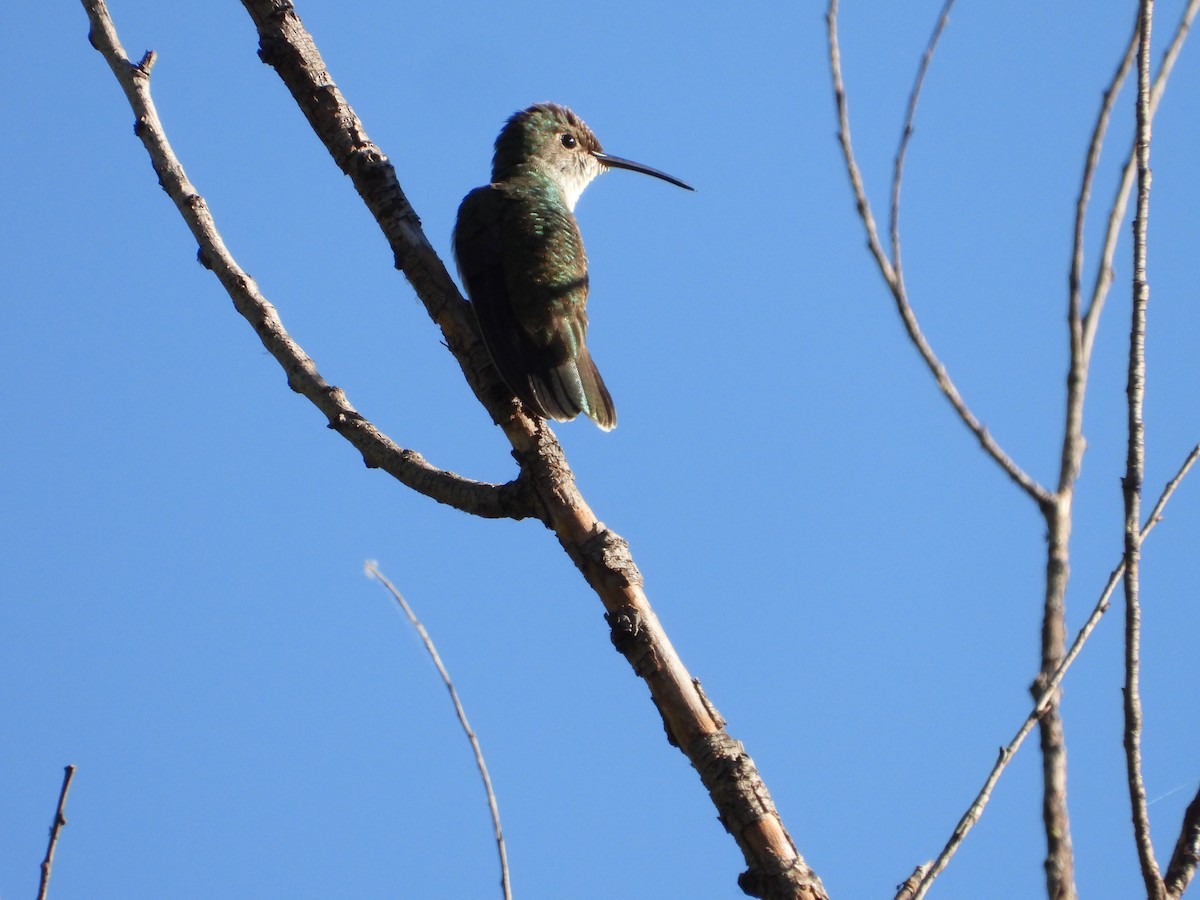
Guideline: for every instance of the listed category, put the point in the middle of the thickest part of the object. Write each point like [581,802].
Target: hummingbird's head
[552,141]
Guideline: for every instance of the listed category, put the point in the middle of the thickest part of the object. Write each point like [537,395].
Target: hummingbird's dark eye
[568,141]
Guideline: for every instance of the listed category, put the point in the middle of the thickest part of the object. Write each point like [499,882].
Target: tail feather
[573,387]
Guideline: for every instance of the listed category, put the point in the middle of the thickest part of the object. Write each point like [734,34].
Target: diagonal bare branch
[546,486]
[924,878]
[378,450]
[60,820]
[895,282]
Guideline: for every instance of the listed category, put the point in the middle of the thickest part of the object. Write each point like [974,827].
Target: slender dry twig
[975,811]
[895,283]
[1187,852]
[1080,355]
[372,570]
[1135,473]
[907,131]
[1107,103]
[546,487]
[1116,215]
[60,820]
[852,170]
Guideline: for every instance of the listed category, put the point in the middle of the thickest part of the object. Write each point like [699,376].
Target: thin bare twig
[372,570]
[895,283]
[907,131]
[1107,103]
[60,820]
[1116,215]
[1187,852]
[852,170]
[1135,472]
[975,811]
[1080,350]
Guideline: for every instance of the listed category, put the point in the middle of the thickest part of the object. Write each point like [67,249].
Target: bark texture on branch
[545,487]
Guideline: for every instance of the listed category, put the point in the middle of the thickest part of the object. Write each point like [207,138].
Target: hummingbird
[521,259]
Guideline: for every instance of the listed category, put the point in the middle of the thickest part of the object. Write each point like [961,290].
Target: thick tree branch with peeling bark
[545,487]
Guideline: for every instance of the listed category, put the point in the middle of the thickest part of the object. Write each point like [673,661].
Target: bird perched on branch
[522,261]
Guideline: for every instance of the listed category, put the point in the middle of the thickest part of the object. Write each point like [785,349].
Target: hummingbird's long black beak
[617,162]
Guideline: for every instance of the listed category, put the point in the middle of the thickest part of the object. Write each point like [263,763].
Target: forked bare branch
[546,487]
[378,450]
[893,277]
[907,131]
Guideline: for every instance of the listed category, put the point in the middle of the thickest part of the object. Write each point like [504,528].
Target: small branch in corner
[59,821]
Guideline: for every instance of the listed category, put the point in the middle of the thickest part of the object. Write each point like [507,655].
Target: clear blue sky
[858,587]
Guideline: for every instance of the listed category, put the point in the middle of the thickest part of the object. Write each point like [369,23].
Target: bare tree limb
[546,487]
[378,451]
[1055,507]
[743,801]
[892,275]
[925,875]
[60,820]
[1135,472]
[372,571]
[1187,852]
